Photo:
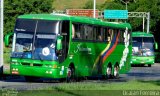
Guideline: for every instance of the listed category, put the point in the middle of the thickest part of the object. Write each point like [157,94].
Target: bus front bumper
[142,60]
[37,71]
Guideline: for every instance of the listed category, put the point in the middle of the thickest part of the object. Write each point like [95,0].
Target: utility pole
[148,21]
[94,8]
[1,36]
[143,23]
[125,3]
[141,15]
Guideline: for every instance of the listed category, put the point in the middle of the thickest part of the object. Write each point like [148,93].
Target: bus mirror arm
[156,46]
[59,45]
[8,38]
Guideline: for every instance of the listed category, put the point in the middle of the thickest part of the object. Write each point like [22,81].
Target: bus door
[64,31]
[87,49]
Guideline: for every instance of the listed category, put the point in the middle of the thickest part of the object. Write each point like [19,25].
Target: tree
[14,8]
[112,4]
[89,4]
[140,6]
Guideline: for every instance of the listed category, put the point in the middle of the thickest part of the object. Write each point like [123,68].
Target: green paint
[82,54]
[7,38]
[143,34]
[143,45]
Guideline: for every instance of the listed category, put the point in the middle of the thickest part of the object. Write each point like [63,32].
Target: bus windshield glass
[35,39]
[143,46]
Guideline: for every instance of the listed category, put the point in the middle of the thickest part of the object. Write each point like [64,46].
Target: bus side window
[73,31]
[109,35]
[76,31]
[81,34]
[118,32]
[94,32]
[98,32]
[85,36]
[105,34]
[88,34]
[121,36]
[101,34]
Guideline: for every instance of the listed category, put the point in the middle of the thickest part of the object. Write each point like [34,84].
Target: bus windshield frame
[35,39]
[143,46]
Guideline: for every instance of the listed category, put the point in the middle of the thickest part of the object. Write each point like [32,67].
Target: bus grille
[30,64]
[26,64]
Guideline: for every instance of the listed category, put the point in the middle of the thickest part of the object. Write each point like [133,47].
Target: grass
[94,88]
[6,58]
[72,4]
[130,85]
[6,55]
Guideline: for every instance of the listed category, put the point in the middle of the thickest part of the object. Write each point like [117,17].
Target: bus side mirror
[59,43]
[156,46]
[7,39]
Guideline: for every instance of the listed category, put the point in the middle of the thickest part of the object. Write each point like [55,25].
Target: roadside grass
[93,88]
[72,4]
[6,55]
[129,85]
[6,58]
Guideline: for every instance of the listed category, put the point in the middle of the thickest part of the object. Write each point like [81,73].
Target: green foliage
[112,5]
[152,6]
[14,8]
[89,5]
[7,53]
[75,4]
[145,6]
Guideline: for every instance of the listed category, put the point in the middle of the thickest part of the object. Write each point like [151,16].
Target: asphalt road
[145,73]
[136,73]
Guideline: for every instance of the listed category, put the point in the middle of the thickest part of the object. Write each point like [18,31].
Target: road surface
[136,73]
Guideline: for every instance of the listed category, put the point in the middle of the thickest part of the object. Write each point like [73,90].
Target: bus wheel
[70,74]
[109,72]
[116,71]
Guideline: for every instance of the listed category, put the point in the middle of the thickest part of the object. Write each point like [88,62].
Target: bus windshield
[35,39]
[143,46]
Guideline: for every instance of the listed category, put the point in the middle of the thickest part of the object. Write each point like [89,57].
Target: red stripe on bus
[112,49]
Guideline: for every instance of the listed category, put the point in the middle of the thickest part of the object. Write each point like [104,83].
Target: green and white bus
[143,45]
[62,46]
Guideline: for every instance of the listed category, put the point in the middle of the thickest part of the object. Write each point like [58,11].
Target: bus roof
[81,19]
[141,34]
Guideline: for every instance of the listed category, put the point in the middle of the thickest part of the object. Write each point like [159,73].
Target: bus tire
[70,74]
[116,71]
[109,72]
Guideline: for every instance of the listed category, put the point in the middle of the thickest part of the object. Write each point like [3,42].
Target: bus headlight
[15,69]
[48,72]
[15,63]
[50,66]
